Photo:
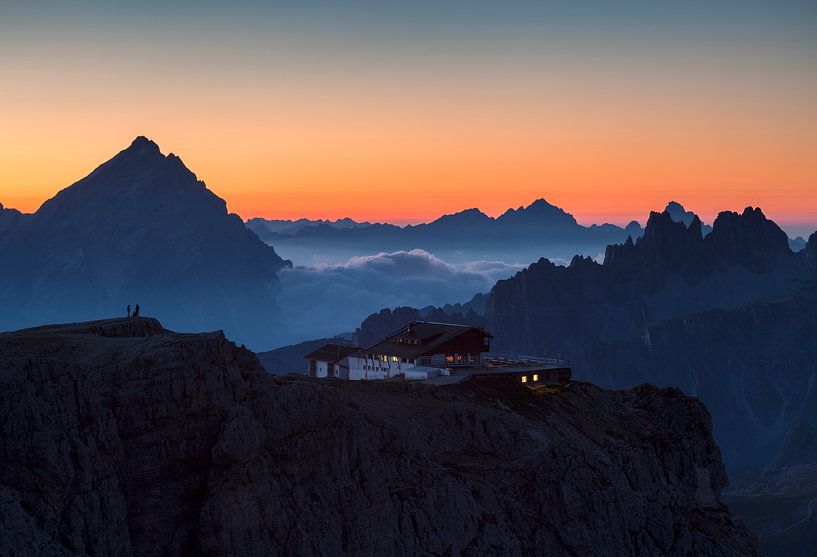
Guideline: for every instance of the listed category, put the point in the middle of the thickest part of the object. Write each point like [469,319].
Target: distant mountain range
[141,228]
[524,234]
[271,227]
[518,235]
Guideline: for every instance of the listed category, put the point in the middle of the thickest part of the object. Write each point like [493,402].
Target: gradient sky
[401,111]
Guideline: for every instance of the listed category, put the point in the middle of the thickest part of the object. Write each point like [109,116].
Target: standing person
[128,310]
[136,311]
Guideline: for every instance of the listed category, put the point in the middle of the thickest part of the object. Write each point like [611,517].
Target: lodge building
[433,352]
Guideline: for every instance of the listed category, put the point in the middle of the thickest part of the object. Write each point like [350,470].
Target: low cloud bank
[328,299]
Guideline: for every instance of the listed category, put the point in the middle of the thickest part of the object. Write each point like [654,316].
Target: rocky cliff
[671,271]
[754,368]
[121,438]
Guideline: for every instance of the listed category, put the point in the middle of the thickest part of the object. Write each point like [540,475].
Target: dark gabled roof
[332,352]
[420,338]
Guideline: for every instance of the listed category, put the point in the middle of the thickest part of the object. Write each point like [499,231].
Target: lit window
[449,359]
[394,359]
[524,378]
[535,377]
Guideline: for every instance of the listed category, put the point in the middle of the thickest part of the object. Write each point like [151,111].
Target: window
[524,378]
[535,377]
[449,359]
[395,359]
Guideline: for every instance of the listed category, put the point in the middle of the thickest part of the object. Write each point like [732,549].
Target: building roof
[332,352]
[421,338]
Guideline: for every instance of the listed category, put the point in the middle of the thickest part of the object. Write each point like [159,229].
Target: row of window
[535,378]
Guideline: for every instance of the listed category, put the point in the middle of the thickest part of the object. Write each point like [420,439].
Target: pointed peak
[541,202]
[143,143]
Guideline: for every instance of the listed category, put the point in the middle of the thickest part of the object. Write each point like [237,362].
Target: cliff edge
[119,437]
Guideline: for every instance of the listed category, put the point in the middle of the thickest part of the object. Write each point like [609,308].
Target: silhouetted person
[136,311]
[128,310]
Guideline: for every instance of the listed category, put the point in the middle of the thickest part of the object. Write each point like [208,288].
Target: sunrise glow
[284,124]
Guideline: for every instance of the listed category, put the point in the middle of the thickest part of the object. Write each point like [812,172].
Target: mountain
[671,271]
[122,438]
[539,214]
[679,214]
[141,228]
[264,228]
[797,244]
[518,235]
[8,219]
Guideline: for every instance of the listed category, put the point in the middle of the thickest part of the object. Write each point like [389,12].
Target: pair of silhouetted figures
[135,311]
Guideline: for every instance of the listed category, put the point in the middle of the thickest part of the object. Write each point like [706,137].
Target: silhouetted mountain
[122,438]
[680,214]
[671,271]
[8,219]
[521,234]
[266,227]
[141,228]
[797,244]
[539,214]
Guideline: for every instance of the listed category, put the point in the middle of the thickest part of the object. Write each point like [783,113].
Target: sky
[402,111]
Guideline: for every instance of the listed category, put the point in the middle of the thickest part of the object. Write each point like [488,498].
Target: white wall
[368,368]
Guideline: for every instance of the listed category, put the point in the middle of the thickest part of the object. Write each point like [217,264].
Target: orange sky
[326,132]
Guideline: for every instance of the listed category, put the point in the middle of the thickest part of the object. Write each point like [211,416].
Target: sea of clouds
[328,299]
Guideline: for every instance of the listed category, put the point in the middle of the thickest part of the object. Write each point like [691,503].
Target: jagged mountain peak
[142,143]
[539,212]
[466,216]
[679,214]
[748,237]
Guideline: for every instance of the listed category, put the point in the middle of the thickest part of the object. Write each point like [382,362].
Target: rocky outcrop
[141,228]
[753,367]
[122,438]
[671,271]
[749,239]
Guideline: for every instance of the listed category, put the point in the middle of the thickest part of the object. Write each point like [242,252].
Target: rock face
[122,438]
[141,228]
[753,367]
[670,272]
